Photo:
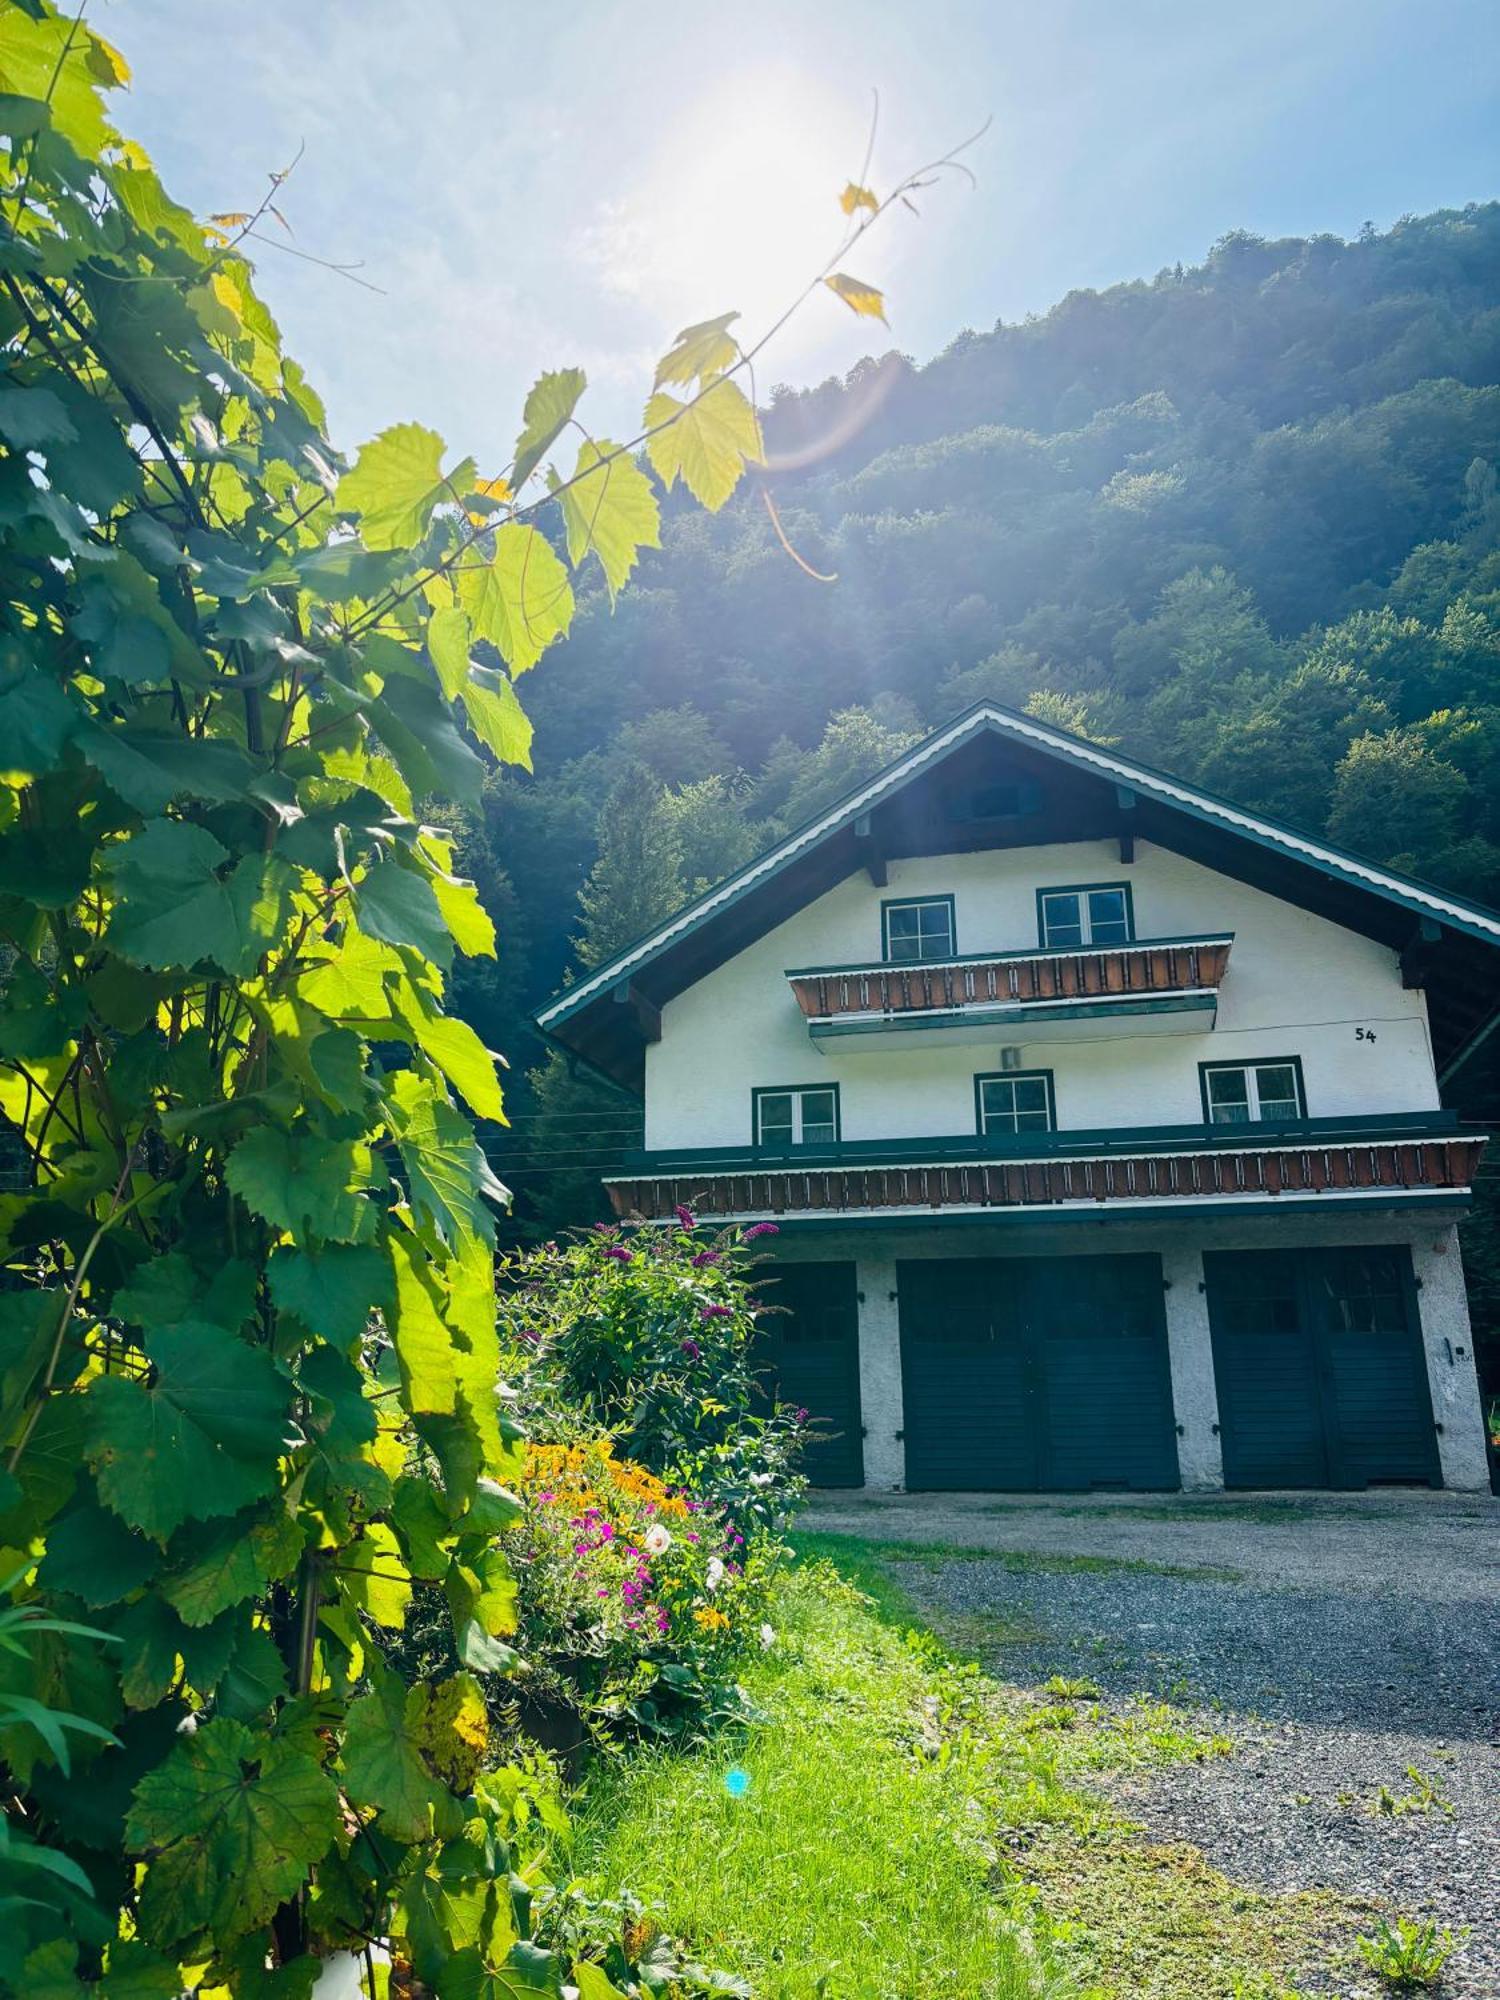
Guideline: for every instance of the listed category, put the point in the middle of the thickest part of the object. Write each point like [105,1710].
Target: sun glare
[740,208]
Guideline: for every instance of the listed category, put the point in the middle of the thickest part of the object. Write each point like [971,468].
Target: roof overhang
[1095,792]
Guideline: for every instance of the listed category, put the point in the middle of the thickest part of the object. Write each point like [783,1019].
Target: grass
[1015,1562]
[913,1830]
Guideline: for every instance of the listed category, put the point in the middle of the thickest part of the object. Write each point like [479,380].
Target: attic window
[1005,798]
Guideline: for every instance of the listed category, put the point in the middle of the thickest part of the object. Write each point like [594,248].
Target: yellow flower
[710,1619]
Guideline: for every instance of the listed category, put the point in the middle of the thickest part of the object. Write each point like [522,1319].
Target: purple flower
[618,1251]
[606,1227]
[802,1416]
[705,1257]
[694,1538]
[691,1349]
[545,1499]
[662,1621]
[714,1312]
[686,1217]
[760,1229]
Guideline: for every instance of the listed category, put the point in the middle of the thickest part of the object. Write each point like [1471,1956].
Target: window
[1250,1093]
[804,1115]
[1091,914]
[1019,1102]
[918,927]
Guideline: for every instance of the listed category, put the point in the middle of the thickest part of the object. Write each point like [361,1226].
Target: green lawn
[911,1830]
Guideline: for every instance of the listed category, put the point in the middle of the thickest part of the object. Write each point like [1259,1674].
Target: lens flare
[736,1781]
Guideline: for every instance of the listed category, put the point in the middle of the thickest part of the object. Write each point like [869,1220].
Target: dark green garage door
[811,1360]
[1036,1373]
[1318,1359]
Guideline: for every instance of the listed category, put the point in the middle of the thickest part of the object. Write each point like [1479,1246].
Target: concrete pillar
[1449,1348]
[1195,1397]
[880,1374]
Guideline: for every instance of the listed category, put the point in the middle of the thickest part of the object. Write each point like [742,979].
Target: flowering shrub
[649,1336]
[634,1598]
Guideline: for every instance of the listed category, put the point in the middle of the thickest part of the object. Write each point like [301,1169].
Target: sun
[739,209]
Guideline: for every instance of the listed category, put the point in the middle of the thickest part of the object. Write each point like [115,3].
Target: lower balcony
[1416,1159]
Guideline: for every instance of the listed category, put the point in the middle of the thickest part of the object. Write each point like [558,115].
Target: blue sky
[570,182]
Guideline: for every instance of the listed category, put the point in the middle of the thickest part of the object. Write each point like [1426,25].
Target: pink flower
[618,1251]
[705,1257]
[760,1229]
[545,1499]
[691,1349]
[714,1312]
[686,1217]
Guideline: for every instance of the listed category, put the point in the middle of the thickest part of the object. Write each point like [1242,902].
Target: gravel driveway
[1345,1641]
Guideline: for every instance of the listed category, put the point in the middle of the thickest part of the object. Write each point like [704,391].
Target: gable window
[1251,1093]
[803,1115]
[1095,913]
[1020,1101]
[918,927]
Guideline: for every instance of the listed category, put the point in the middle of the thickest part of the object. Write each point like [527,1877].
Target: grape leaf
[332,1290]
[383,1766]
[699,352]
[448,648]
[230,1563]
[424,1347]
[497,717]
[447,1175]
[550,404]
[857,296]
[235,1819]
[610,511]
[470,922]
[856,197]
[174,910]
[527,1973]
[313,1188]
[417,727]
[93,1555]
[520,600]
[254,1678]
[376,1577]
[394,485]
[458,1052]
[398,907]
[707,443]
[200,1441]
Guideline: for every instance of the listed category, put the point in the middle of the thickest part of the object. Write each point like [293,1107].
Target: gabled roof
[1099,792]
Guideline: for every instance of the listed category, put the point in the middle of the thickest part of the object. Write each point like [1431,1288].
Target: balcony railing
[1153,978]
[1420,1155]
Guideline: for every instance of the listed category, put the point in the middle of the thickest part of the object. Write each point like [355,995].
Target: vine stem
[116,1214]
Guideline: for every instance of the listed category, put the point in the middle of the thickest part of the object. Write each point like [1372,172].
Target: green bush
[649,1335]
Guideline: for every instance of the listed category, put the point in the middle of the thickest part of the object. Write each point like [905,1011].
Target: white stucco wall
[1296,985]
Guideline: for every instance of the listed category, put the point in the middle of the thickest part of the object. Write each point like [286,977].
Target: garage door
[1036,1374]
[811,1360]
[1320,1371]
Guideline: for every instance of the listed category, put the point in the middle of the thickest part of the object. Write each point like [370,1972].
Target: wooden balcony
[1414,1159]
[1156,985]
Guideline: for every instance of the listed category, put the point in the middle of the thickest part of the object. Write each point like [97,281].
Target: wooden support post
[867,846]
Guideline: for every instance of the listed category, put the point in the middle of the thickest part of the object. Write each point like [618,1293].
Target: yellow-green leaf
[707,443]
[549,405]
[471,924]
[394,485]
[856,197]
[497,717]
[700,352]
[448,647]
[520,600]
[458,1052]
[857,296]
[375,1576]
[609,510]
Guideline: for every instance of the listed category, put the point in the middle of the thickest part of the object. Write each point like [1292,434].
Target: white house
[1100,1121]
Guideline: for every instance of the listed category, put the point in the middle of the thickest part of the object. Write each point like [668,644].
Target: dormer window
[916,927]
[1092,914]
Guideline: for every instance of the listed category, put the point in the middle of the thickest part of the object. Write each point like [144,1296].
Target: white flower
[715,1574]
[761,1478]
[188,1726]
[657,1540]
[767,1637]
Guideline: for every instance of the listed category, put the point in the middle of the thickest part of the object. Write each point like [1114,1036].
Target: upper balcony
[1151,986]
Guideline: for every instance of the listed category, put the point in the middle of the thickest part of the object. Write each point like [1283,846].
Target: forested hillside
[1243,519]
